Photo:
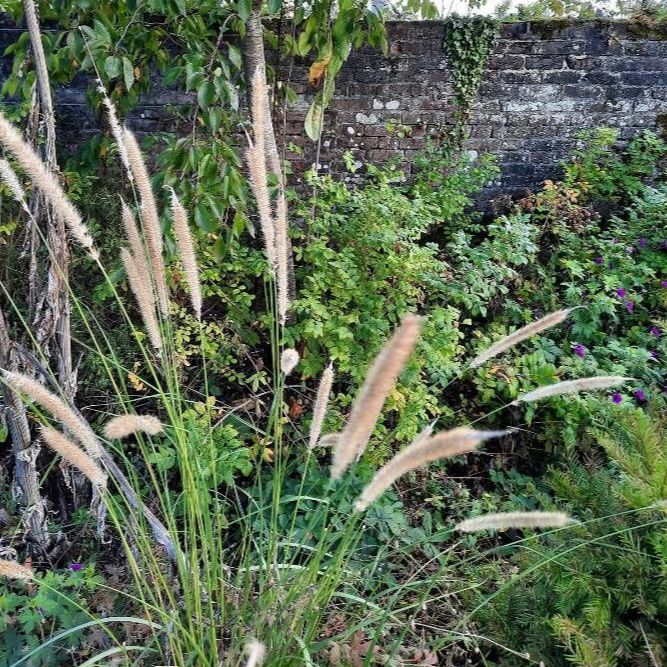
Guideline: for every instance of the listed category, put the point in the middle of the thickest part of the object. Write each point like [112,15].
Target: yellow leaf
[137,73]
[318,69]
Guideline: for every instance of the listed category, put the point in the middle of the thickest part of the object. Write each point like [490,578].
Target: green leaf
[314,118]
[128,73]
[113,66]
[235,57]
[205,94]
[273,6]
[244,7]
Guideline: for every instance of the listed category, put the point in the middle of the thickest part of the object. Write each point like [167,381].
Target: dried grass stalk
[521,334]
[572,387]
[13,570]
[507,520]
[37,393]
[74,455]
[378,383]
[124,425]
[47,183]
[289,360]
[423,450]
[186,248]
[320,407]
[144,296]
[256,652]
[149,216]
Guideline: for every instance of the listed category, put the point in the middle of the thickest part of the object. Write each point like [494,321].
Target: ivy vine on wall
[468,42]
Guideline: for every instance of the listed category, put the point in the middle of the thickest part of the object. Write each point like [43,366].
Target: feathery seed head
[37,393]
[506,520]
[124,425]
[320,406]
[13,570]
[256,652]
[186,248]
[144,297]
[520,335]
[11,180]
[378,383]
[288,360]
[74,455]
[149,216]
[572,387]
[46,181]
[423,450]
[132,232]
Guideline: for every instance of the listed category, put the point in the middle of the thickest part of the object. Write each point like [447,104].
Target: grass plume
[144,297]
[507,520]
[423,450]
[520,335]
[378,383]
[289,360]
[124,425]
[13,570]
[46,181]
[256,652]
[186,249]
[11,180]
[132,235]
[320,406]
[149,216]
[74,455]
[55,406]
[572,387]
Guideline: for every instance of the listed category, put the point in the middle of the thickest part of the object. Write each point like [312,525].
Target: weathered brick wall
[544,83]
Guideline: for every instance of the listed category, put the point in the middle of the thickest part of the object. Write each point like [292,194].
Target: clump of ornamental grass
[241,578]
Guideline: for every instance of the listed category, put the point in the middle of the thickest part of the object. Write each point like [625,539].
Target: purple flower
[642,243]
[630,250]
[616,397]
[640,395]
[652,354]
[630,306]
[655,332]
[75,567]
[614,240]
[663,283]
[598,260]
[579,350]
[663,244]
[620,292]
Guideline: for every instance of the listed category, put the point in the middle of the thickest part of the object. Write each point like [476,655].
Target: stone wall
[545,83]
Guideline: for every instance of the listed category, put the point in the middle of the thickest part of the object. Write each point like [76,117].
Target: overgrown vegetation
[254,540]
